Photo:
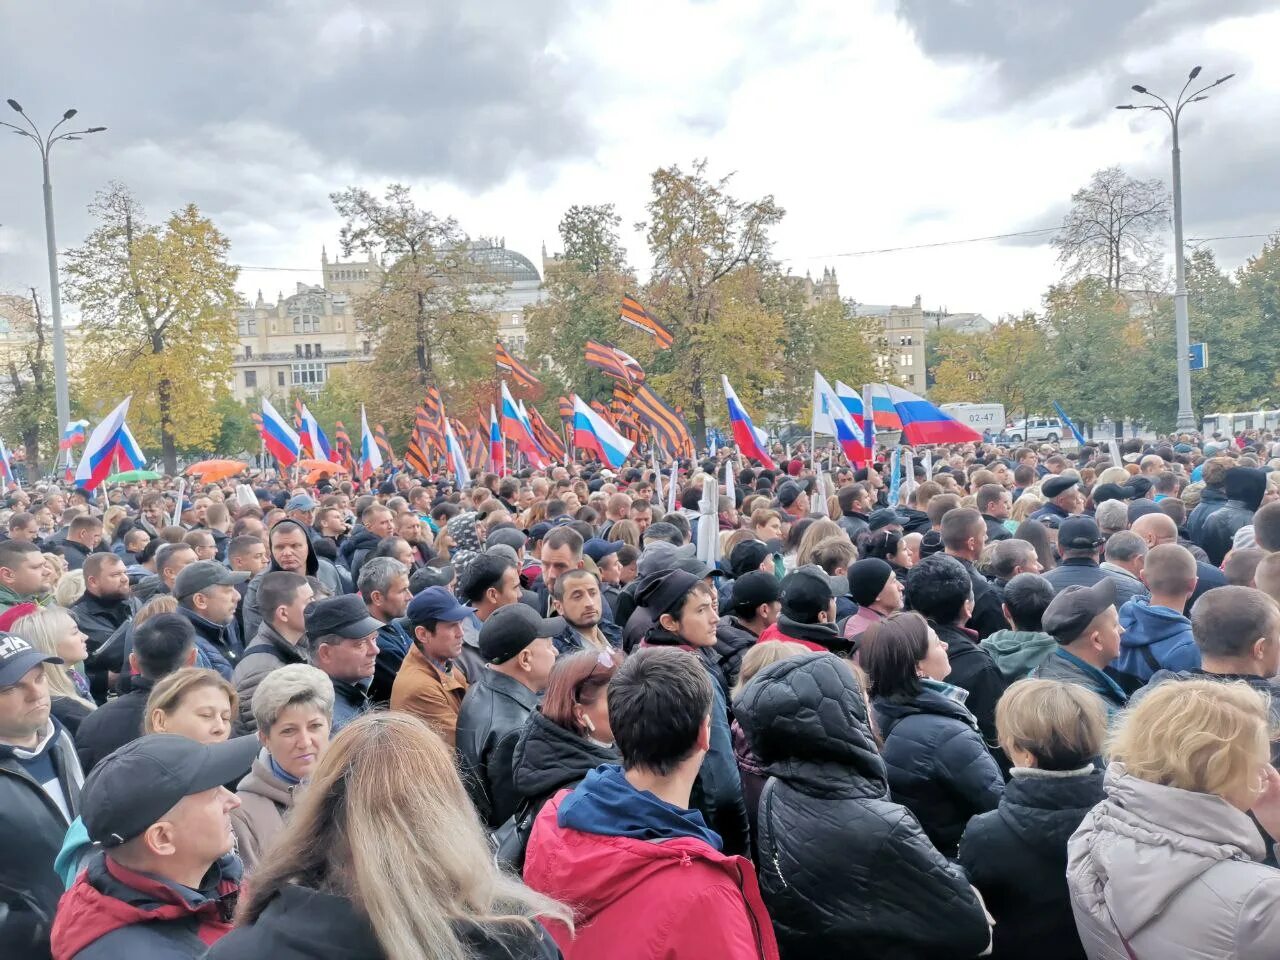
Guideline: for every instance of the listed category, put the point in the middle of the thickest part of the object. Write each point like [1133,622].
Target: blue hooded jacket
[1153,632]
[606,804]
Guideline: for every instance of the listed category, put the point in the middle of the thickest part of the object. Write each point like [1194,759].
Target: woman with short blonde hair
[70,588]
[1169,863]
[192,702]
[384,852]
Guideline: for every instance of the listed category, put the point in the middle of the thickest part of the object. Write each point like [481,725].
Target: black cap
[17,657]
[867,578]
[511,628]
[747,556]
[754,588]
[203,574]
[1079,533]
[1140,508]
[663,592]
[1071,611]
[788,493]
[884,517]
[806,592]
[139,783]
[345,616]
[1056,486]
[1110,491]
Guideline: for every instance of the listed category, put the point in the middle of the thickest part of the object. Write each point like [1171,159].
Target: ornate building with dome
[299,340]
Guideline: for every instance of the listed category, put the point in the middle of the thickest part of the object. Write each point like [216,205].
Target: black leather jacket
[490,722]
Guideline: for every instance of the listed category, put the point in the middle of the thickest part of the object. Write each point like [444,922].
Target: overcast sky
[875,124]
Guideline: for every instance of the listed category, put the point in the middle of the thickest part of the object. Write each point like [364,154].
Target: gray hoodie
[1172,872]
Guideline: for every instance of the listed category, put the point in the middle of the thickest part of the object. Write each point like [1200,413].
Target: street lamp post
[44,143]
[1182,332]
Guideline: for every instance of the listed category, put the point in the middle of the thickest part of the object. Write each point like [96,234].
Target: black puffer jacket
[549,758]
[1244,488]
[1017,857]
[733,640]
[845,871]
[939,768]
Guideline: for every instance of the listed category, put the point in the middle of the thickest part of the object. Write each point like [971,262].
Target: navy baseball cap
[17,657]
[436,603]
[597,548]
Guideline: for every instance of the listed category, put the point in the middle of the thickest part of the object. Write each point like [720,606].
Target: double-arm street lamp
[1186,419]
[44,143]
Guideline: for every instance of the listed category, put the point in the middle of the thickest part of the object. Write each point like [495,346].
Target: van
[1035,430]
[983,417]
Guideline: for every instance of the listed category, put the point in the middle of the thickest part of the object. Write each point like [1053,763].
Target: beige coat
[433,695]
[264,800]
[1173,872]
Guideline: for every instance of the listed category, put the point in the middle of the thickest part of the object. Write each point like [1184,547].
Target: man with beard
[576,596]
[107,603]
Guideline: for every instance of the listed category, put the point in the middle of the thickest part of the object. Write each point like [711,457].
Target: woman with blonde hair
[51,630]
[1169,864]
[70,588]
[1025,506]
[193,702]
[1016,855]
[111,523]
[813,535]
[383,856]
[624,531]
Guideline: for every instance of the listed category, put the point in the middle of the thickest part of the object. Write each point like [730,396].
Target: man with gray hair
[1126,553]
[1009,558]
[1112,516]
[384,588]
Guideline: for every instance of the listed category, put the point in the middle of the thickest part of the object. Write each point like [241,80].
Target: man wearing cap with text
[343,642]
[1080,547]
[516,645]
[165,881]
[431,684]
[1086,625]
[39,797]
[1064,496]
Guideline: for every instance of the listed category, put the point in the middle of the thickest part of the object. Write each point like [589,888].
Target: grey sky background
[876,124]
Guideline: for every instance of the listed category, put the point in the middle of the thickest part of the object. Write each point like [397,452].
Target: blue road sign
[1199,356]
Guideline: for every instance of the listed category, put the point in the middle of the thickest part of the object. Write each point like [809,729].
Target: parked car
[1042,430]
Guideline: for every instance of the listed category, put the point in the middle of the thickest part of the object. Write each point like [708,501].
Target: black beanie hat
[867,578]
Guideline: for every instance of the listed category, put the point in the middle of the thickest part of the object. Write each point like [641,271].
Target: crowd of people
[1025,709]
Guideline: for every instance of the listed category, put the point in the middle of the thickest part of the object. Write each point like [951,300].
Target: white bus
[1229,424]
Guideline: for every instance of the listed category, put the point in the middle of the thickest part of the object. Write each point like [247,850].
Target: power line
[925,246]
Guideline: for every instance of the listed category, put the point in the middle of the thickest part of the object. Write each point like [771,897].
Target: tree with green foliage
[29,409]
[157,307]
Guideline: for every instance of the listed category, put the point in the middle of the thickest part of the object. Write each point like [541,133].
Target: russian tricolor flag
[74,434]
[884,414]
[591,432]
[281,439]
[923,423]
[6,466]
[370,455]
[314,439]
[497,446]
[832,418]
[853,406]
[749,441]
[517,428]
[457,457]
[109,442]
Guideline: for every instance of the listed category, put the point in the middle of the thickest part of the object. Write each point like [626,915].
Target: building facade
[301,340]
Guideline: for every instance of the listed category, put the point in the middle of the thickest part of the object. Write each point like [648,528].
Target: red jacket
[774,632]
[676,899]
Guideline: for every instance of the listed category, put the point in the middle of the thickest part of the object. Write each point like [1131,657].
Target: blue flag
[1075,431]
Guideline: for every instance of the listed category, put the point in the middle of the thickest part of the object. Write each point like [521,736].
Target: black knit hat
[867,578]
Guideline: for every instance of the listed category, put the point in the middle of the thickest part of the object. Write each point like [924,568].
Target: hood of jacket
[548,757]
[607,805]
[107,897]
[806,720]
[313,562]
[260,780]
[1044,808]
[889,713]
[825,635]
[1145,624]
[1144,843]
[1246,485]
[594,870]
[1017,652]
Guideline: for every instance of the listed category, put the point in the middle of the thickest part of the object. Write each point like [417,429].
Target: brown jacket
[423,689]
[264,799]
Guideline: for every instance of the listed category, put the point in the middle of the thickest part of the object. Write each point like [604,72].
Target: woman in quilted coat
[845,871]
[1168,865]
[939,767]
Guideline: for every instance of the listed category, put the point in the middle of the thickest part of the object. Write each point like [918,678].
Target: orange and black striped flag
[380,438]
[636,315]
[477,451]
[654,412]
[521,374]
[429,423]
[342,443]
[416,458]
[602,357]
[565,406]
[547,438]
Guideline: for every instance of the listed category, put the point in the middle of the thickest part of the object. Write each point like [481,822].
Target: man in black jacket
[754,609]
[105,607]
[1245,488]
[995,504]
[84,535]
[856,504]
[964,534]
[39,797]
[516,645]
[161,646]
[940,590]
